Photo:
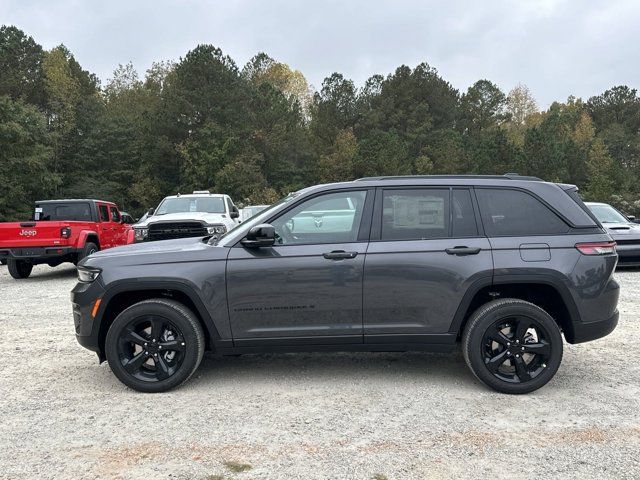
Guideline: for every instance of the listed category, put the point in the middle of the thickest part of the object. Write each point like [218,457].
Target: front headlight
[140,233]
[216,229]
[88,275]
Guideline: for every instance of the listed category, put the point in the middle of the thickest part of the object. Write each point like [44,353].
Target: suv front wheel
[154,345]
[512,346]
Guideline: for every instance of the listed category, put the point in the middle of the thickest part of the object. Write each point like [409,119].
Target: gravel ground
[308,416]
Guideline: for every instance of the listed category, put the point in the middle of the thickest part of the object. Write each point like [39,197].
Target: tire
[512,346]
[19,269]
[88,249]
[138,360]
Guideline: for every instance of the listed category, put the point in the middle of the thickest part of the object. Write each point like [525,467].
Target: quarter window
[415,214]
[516,213]
[329,218]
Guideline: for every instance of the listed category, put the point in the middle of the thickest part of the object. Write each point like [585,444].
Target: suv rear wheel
[19,268]
[155,345]
[512,346]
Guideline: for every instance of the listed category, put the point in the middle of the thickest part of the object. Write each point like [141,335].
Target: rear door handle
[339,255]
[463,251]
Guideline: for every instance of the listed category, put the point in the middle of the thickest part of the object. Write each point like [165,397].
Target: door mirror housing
[234,213]
[151,211]
[632,218]
[263,235]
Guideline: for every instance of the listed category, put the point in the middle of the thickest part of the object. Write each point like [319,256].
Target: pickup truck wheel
[19,269]
[512,346]
[88,249]
[155,345]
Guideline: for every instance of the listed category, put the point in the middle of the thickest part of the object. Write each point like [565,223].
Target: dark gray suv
[502,264]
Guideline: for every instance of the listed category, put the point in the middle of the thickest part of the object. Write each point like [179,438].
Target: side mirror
[234,214]
[632,218]
[260,236]
[151,211]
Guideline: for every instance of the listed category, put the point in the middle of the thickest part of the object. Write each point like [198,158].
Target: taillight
[596,248]
[65,232]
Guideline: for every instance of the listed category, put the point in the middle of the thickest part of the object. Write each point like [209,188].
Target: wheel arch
[122,296]
[88,236]
[545,291]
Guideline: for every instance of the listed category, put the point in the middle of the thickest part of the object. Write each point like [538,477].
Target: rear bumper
[37,254]
[585,332]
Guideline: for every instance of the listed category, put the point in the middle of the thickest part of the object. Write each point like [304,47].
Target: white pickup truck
[198,214]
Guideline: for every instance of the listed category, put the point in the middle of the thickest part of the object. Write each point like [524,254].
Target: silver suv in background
[622,229]
[198,214]
[503,265]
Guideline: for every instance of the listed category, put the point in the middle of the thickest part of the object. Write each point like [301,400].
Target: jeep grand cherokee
[504,265]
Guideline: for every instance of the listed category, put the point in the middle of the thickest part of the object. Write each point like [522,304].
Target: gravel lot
[311,416]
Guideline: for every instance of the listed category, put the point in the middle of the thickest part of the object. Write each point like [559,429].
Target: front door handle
[339,255]
[463,251]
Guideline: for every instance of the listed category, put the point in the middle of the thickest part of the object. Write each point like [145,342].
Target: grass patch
[379,476]
[214,477]
[237,467]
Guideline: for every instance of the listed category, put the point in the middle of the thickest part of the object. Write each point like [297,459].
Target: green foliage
[259,132]
[24,159]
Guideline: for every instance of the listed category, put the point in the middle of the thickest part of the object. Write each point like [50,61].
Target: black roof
[74,200]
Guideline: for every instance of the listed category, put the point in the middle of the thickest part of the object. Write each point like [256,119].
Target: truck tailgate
[31,234]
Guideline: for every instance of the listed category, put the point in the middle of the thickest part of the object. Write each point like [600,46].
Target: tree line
[260,131]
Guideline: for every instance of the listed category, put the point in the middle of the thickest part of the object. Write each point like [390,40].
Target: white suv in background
[196,215]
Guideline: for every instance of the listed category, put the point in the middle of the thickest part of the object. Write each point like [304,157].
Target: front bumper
[628,255]
[87,327]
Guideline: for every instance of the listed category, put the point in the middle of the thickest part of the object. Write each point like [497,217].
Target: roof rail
[506,176]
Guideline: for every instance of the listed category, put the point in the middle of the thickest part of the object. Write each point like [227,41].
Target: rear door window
[417,214]
[516,213]
[463,218]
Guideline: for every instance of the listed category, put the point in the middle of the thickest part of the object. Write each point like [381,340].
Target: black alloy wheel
[151,348]
[516,349]
[155,345]
[512,346]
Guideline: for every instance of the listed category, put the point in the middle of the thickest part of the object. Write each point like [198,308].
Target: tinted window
[330,218]
[115,215]
[191,204]
[72,211]
[104,213]
[516,213]
[463,219]
[415,214]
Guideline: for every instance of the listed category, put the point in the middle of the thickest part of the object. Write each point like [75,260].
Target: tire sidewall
[88,249]
[473,344]
[193,348]
[19,269]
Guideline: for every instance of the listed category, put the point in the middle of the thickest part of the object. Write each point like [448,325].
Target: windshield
[256,219]
[608,214]
[191,204]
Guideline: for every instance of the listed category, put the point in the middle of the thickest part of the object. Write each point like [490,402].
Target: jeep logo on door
[28,233]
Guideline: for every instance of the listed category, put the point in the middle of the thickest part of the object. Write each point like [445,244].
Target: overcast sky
[556,47]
